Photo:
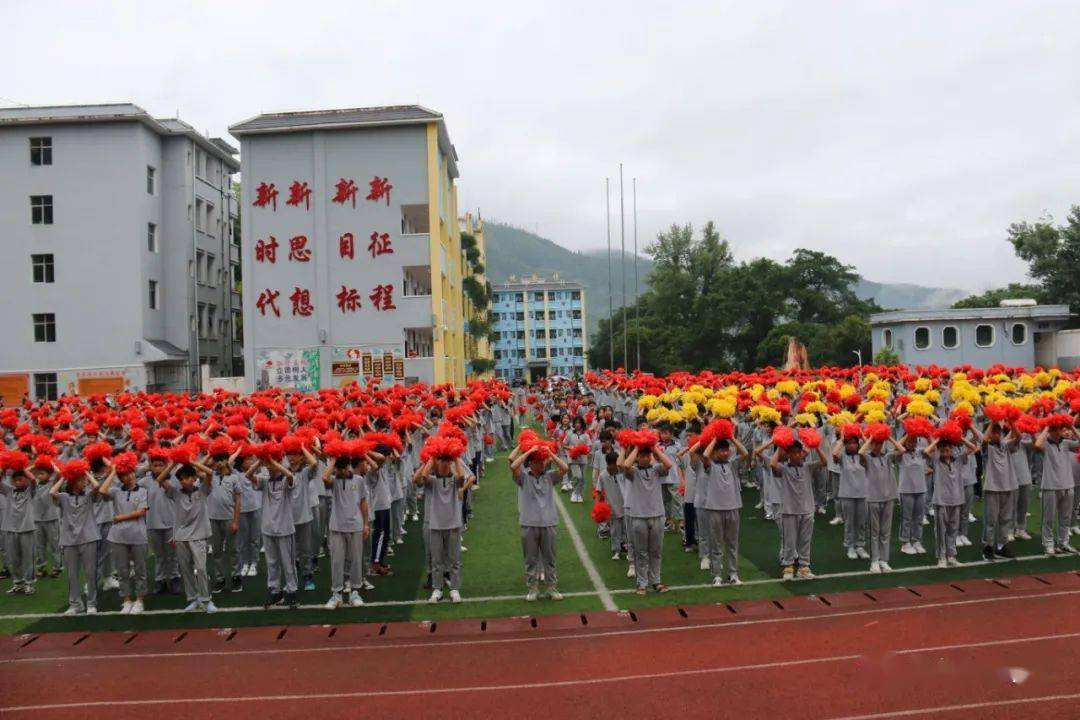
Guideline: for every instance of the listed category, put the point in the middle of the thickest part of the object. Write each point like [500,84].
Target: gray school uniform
[881,495]
[160,518]
[911,467]
[968,472]
[103,515]
[442,511]
[646,513]
[78,537]
[1021,467]
[303,517]
[1057,492]
[538,519]
[279,533]
[128,540]
[717,503]
[797,510]
[220,506]
[346,525]
[999,493]
[46,530]
[851,492]
[948,503]
[191,530]
[18,529]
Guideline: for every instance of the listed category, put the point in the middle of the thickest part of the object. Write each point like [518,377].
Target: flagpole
[637,305]
[622,262]
[610,287]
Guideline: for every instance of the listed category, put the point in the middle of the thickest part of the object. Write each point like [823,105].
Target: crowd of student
[677,453]
[207,485]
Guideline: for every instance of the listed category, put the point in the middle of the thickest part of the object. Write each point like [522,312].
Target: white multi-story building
[119,266]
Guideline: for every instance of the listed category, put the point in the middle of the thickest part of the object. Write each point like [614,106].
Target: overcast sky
[902,137]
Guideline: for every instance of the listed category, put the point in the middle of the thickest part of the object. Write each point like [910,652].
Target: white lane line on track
[919,712]
[380,646]
[576,683]
[353,613]
[583,555]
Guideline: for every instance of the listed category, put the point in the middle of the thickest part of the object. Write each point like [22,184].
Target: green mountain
[512,251]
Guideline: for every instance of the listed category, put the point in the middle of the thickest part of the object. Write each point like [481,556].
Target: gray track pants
[20,556]
[1020,510]
[81,559]
[104,557]
[47,544]
[346,545]
[223,543]
[618,532]
[965,513]
[445,557]
[881,516]
[247,541]
[165,567]
[853,511]
[648,534]
[280,562]
[1056,507]
[577,478]
[305,548]
[191,557]
[946,528]
[538,547]
[722,532]
[798,537]
[998,509]
[129,561]
[912,511]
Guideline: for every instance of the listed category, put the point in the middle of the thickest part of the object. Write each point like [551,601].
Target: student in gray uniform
[608,480]
[1021,467]
[18,488]
[538,517]
[999,491]
[795,468]
[968,471]
[646,468]
[669,483]
[577,436]
[911,464]
[852,495]
[1057,446]
[881,495]
[248,535]
[302,464]
[445,481]
[947,463]
[348,525]
[719,501]
[189,490]
[46,525]
[103,512]
[223,507]
[78,537]
[277,484]
[380,495]
[160,519]
[127,534]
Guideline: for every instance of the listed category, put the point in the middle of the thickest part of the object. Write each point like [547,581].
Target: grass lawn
[493,576]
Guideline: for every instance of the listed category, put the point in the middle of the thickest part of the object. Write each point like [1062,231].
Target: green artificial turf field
[493,576]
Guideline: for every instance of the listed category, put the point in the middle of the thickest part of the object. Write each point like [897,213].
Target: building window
[200,267]
[45,386]
[41,151]
[237,326]
[984,335]
[886,337]
[1019,333]
[211,279]
[200,318]
[43,268]
[211,321]
[153,294]
[922,338]
[41,209]
[151,237]
[44,327]
[950,337]
[575,295]
[151,187]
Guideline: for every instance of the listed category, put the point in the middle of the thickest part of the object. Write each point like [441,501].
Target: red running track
[998,649]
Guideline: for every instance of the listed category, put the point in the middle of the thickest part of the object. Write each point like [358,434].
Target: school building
[1017,334]
[541,328]
[353,261]
[119,264]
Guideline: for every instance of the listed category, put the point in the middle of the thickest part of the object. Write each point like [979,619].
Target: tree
[993,298]
[886,356]
[1052,254]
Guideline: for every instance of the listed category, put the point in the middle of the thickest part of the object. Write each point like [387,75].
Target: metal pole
[622,263]
[610,287]
[637,307]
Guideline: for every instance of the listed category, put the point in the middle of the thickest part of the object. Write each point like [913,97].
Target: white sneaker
[759,506]
[821,511]
[355,600]
[1049,550]
[1023,534]
[942,564]
[616,556]
[972,518]
[436,596]
[415,517]
[1010,537]
[455,596]
[630,571]
[718,581]
[91,610]
[789,573]
[953,562]
[553,594]
[137,607]
[367,586]
[919,549]
[907,548]
[851,554]
[885,567]
[192,606]
[962,541]
[464,549]
[705,563]
[734,580]
[125,609]
[490,459]
[875,567]
[210,607]
[72,610]
[400,541]
[253,570]
[837,521]
[925,522]
[862,554]
[110,583]
[531,596]
[575,498]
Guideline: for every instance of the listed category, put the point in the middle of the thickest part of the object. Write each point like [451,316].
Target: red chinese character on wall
[382,297]
[380,244]
[380,188]
[268,299]
[348,299]
[265,195]
[298,250]
[347,246]
[301,302]
[299,192]
[346,190]
[266,250]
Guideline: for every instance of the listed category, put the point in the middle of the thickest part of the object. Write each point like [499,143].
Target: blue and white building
[541,327]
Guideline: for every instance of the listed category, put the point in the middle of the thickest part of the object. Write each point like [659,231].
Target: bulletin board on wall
[13,388]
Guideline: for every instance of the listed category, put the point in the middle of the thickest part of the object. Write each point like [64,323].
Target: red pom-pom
[918,427]
[390,440]
[14,460]
[44,462]
[962,418]
[74,469]
[783,437]
[221,445]
[163,434]
[579,450]
[125,463]
[810,438]
[851,430]
[719,430]
[441,447]
[292,444]
[878,432]
[640,439]
[269,451]
[1001,413]
[950,432]
[601,512]
[489,439]
[237,432]
[183,454]
[1028,424]
[1060,420]
[91,429]
[97,451]
[541,449]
